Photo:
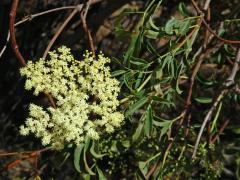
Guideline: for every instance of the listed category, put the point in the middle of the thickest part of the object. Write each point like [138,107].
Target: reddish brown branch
[226,41]
[14,42]
[12,33]
[27,156]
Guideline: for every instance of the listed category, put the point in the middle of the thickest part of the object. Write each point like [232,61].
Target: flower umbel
[85,94]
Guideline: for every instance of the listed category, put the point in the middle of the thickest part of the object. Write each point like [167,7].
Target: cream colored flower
[85,94]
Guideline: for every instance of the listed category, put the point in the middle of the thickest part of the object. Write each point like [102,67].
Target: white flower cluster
[85,96]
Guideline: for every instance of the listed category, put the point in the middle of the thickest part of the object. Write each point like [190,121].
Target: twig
[210,29]
[78,8]
[212,141]
[31,17]
[24,152]
[5,46]
[151,171]
[207,33]
[31,154]
[83,16]
[206,5]
[12,33]
[230,79]
[74,12]
[14,42]
[195,71]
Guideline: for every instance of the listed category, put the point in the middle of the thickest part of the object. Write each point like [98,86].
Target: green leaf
[143,166]
[85,176]
[183,9]
[203,100]
[152,25]
[168,59]
[126,78]
[87,168]
[121,33]
[94,153]
[114,146]
[179,91]
[190,43]
[134,107]
[134,48]
[151,34]
[138,80]
[170,26]
[184,27]
[221,31]
[100,174]
[77,156]
[148,125]
[166,126]
[214,122]
[118,72]
[126,144]
[151,49]
[138,132]
[139,62]
[236,130]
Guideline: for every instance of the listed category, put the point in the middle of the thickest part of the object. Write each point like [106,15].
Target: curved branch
[13,35]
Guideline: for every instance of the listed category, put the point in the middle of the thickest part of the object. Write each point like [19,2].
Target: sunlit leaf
[118,72]
[170,26]
[203,100]
[148,125]
[100,174]
[93,151]
[77,157]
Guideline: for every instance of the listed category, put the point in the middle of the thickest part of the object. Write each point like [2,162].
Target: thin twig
[74,12]
[206,5]
[223,127]
[230,79]
[5,46]
[210,29]
[24,152]
[207,33]
[31,17]
[59,31]
[83,16]
[31,154]
[196,69]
